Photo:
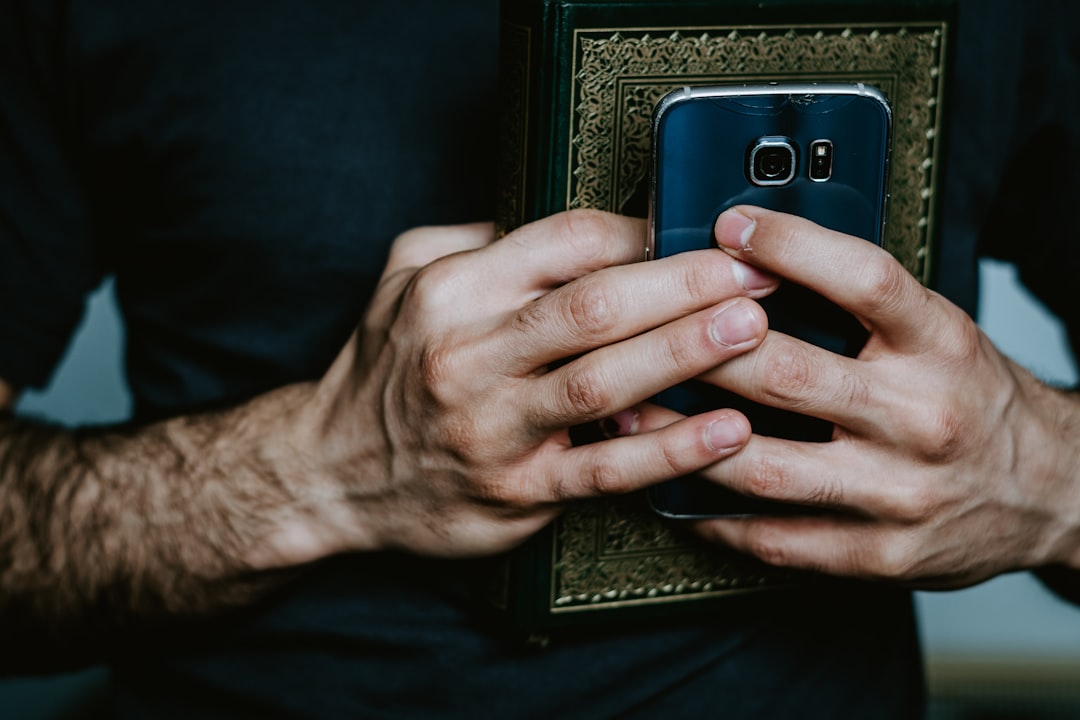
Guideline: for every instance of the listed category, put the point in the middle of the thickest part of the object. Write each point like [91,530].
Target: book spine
[533,76]
[535,110]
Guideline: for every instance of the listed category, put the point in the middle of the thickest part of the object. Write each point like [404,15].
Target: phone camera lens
[771,162]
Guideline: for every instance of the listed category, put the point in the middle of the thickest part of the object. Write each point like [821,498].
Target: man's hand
[442,428]
[949,463]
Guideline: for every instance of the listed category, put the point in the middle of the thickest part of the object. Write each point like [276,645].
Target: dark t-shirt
[241,168]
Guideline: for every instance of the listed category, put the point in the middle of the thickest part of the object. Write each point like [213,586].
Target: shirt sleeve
[48,263]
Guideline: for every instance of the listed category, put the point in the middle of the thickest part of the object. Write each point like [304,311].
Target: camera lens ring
[771,161]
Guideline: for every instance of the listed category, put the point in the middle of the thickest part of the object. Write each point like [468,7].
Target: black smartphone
[818,150]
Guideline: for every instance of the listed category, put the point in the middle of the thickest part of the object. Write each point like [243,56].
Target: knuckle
[435,366]
[892,560]
[433,288]
[586,396]
[591,307]
[678,353]
[603,479]
[587,224]
[770,477]
[888,285]
[440,373]
[963,344]
[587,232]
[786,375]
[463,439]
[674,459]
[532,317]
[942,435]
[698,278]
[914,505]
[767,544]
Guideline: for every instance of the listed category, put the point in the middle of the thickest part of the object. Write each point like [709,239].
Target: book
[578,83]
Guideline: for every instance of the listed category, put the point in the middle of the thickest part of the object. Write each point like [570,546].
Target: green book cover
[579,79]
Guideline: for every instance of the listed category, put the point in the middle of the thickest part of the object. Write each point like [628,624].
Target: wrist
[1062,573]
[301,455]
[1061,448]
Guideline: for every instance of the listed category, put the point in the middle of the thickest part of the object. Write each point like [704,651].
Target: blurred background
[1005,649]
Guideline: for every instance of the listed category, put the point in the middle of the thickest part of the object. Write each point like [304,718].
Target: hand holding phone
[818,150]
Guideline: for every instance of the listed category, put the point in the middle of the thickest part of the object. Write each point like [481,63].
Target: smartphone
[818,150]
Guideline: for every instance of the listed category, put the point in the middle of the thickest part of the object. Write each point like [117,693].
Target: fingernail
[733,230]
[722,435]
[750,278]
[734,325]
[621,424]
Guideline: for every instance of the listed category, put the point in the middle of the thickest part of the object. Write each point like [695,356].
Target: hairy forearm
[113,528]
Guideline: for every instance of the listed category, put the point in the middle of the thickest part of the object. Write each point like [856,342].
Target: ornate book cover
[579,81]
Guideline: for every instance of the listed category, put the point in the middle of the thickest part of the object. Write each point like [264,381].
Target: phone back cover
[702,168]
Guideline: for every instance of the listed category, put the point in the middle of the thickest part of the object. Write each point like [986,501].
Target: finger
[787,373]
[415,249]
[524,265]
[803,474]
[557,249]
[641,418]
[839,476]
[615,303]
[421,246]
[613,377]
[626,464]
[853,273]
[835,545]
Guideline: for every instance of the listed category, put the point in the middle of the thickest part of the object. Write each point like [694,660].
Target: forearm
[117,527]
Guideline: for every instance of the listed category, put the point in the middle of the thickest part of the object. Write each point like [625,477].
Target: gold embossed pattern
[614,554]
[619,76]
